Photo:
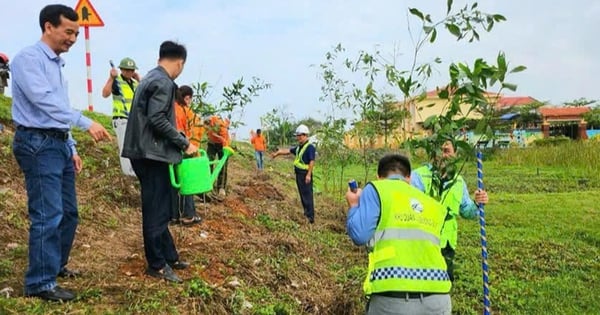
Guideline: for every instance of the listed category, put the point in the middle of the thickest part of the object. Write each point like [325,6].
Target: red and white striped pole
[88,64]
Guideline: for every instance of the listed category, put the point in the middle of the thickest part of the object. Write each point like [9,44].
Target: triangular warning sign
[87,14]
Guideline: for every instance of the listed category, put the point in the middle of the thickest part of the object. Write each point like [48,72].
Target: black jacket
[151,132]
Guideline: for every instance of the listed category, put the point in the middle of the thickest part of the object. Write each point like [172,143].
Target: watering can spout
[227,151]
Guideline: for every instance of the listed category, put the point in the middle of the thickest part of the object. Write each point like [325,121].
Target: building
[430,105]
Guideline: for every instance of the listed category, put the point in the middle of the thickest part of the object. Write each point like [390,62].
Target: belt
[405,295]
[118,117]
[54,133]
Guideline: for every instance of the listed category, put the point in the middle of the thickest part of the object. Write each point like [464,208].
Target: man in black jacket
[152,142]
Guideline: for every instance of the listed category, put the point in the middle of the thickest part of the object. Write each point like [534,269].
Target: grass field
[543,226]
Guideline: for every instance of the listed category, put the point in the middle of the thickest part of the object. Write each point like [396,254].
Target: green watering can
[194,173]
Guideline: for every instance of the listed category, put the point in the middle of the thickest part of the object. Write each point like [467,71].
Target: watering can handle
[172,176]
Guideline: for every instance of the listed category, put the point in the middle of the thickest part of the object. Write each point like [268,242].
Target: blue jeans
[258,155]
[49,173]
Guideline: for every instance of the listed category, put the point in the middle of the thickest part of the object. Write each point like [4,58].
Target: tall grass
[582,155]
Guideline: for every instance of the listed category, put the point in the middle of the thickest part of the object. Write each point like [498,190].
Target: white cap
[302,129]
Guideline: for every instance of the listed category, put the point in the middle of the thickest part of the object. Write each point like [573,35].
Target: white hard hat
[302,129]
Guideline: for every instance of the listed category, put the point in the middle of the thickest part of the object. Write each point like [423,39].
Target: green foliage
[198,288]
[593,117]
[278,127]
[234,99]
[5,112]
[581,102]
[551,141]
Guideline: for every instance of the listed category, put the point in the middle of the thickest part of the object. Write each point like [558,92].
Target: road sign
[87,14]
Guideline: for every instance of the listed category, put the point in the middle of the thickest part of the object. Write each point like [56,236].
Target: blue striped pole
[484,254]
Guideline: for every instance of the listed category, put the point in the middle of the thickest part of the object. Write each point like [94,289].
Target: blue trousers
[258,155]
[306,194]
[47,165]
[157,206]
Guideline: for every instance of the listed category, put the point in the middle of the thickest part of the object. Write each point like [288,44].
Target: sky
[281,41]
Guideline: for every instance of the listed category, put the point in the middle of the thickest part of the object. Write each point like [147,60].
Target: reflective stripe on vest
[406,234]
[451,198]
[122,103]
[406,253]
[298,159]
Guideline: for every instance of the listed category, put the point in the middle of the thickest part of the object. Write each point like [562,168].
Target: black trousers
[448,253]
[306,194]
[157,204]
[215,152]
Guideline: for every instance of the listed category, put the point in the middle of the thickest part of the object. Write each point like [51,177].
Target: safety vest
[451,198]
[405,249]
[298,163]
[122,103]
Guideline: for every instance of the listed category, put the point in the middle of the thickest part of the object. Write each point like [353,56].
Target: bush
[551,141]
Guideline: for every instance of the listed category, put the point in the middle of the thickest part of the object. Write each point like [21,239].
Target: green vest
[298,163]
[122,103]
[405,254]
[451,198]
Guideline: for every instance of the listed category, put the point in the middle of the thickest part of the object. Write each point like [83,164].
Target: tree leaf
[518,69]
[433,36]
[510,86]
[453,29]
[499,18]
[417,13]
[448,6]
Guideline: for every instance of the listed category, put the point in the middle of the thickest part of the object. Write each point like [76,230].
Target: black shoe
[179,265]
[68,273]
[166,273]
[55,294]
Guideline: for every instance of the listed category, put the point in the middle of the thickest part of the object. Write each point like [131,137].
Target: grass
[542,226]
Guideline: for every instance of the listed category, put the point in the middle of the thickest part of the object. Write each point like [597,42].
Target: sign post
[88,17]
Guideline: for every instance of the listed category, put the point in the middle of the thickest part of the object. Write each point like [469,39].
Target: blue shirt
[39,92]
[468,208]
[363,219]
[309,153]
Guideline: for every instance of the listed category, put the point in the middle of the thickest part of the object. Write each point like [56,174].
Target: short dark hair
[52,13]
[182,92]
[258,131]
[393,163]
[172,50]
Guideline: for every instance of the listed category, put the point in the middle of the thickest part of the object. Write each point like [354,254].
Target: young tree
[279,127]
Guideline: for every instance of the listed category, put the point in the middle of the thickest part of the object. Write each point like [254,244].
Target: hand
[98,132]
[273,155]
[481,196]
[308,178]
[77,163]
[136,76]
[113,73]
[192,149]
[352,197]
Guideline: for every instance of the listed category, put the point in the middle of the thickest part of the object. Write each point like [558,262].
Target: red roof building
[563,113]
[510,101]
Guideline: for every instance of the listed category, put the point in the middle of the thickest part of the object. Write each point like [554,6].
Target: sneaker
[166,273]
[222,192]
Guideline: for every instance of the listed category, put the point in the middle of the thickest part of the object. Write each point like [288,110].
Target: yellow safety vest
[298,163]
[122,103]
[405,254]
[451,198]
